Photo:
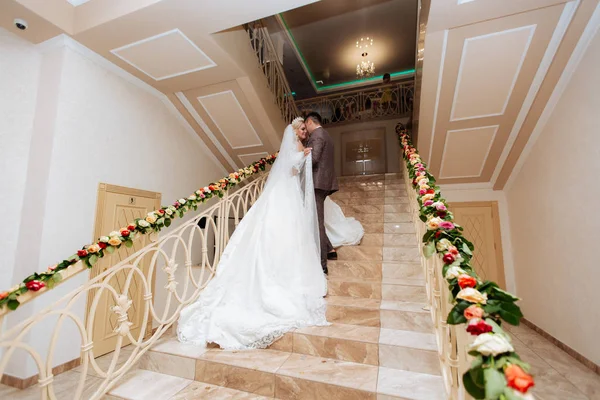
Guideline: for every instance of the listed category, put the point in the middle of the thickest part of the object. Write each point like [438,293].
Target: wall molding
[64,40]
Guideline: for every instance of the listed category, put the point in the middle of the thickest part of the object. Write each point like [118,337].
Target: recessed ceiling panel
[248,159]
[77,2]
[165,56]
[488,71]
[228,115]
[466,151]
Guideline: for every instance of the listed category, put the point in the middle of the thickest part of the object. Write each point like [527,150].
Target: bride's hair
[297,123]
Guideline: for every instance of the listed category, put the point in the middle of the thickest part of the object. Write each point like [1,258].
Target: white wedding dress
[269,279]
[341,230]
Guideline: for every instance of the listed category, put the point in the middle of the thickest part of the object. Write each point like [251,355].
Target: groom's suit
[325,181]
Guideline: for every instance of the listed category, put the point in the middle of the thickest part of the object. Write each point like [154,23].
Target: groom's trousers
[326,247]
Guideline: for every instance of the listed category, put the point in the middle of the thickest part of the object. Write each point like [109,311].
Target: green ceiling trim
[320,87]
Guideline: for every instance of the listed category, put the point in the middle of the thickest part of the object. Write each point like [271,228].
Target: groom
[323,177]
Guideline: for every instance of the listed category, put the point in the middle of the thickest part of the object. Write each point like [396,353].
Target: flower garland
[497,371]
[154,221]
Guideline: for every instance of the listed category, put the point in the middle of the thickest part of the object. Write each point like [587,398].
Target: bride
[269,279]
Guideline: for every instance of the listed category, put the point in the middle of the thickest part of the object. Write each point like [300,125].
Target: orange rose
[473,312]
[465,280]
[3,295]
[518,379]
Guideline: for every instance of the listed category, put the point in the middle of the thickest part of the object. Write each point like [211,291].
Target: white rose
[454,272]
[472,295]
[443,244]
[172,208]
[104,239]
[181,201]
[114,233]
[206,189]
[151,218]
[143,224]
[192,197]
[491,344]
[169,211]
[433,223]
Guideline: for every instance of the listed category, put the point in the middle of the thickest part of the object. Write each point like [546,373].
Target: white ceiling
[77,2]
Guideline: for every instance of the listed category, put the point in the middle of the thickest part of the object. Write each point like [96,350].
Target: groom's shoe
[332,255]
[325,271]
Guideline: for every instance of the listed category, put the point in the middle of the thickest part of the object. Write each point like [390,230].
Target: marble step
[399,227]
[405,315]
[394,384]
[400,240]
[372,239]
[408,254]
[361,178]
[380,217]
[338,341]
[357,194]
[401,270]
[144,384]
[366,200]
[355,269]
[353,311]
[357,287]
[409,350]
[407,290]
[270,373]
[362,209]
[360,253]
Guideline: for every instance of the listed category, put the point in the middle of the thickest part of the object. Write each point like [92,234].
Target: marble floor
[558,376]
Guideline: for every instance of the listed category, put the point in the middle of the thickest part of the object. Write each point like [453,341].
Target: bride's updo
[297,123]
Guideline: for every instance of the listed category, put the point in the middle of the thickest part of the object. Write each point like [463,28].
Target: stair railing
[365,104]
[141,296]
[268,62]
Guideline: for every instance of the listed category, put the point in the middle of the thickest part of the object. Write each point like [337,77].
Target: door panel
[481,227]
[117,207]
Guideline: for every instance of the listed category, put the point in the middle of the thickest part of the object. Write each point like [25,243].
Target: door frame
[497,232]
[103,190]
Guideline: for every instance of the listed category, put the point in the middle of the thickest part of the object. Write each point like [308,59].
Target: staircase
[380,344]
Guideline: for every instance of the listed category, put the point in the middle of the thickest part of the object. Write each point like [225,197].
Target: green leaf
[466,249]
[429,249]
[494,383]
[50,284]
[500,294]
[93,259]
[168,222]
[456,315]
[510,394]
[110,249]
[13,304]
[428,236]
[472,388]
[57,278]
[128,244]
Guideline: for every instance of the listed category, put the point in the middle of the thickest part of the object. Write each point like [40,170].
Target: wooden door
[117,207]
[482,227]
[363,152]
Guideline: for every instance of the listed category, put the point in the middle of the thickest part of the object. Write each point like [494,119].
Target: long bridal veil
[269,279]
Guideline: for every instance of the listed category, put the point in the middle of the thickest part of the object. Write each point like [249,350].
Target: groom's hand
[307,151]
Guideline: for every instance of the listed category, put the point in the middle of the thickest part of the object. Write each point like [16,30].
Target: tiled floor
[558,376]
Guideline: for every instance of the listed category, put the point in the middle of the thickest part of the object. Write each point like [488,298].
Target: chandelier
[366,68]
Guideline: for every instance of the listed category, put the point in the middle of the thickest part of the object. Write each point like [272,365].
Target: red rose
[125,232]
[102,245]
[453,250]
[131,228]
[81,253]
[441,214]
[518,379]
[478,326]
[448,258]
[34,286]
[161,212]
[465,280]
[438,234]
[430,191]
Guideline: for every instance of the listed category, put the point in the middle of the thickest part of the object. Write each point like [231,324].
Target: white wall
[391,145]
[554,216]
[19,70]
[88,126]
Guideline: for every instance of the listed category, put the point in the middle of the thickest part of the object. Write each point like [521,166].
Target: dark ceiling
[325,34]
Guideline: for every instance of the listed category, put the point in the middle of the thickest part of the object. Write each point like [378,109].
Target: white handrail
[183,261]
